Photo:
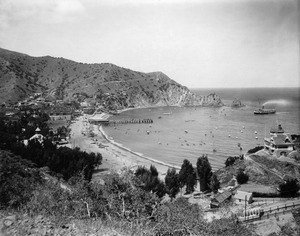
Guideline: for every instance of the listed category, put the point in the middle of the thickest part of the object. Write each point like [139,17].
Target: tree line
[64,161]
[132,199]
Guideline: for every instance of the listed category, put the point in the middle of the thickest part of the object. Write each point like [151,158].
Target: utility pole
[245,205]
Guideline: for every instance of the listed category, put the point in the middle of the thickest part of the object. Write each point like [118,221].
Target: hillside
[115,87]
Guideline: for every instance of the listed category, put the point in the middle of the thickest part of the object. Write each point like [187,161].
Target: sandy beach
[115,157]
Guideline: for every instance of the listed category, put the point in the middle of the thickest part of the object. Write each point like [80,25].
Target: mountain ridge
[116,87]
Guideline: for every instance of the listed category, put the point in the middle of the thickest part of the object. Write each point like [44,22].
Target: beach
[114,157]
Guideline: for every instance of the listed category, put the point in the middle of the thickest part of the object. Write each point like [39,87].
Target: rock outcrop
[237,103]
[113,86]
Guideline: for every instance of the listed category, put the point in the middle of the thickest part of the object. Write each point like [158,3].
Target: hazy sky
[198,43]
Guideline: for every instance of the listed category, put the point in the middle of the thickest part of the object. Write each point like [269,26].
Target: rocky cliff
[113,86]
[237,103]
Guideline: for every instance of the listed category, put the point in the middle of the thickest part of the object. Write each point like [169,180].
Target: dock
[128,121]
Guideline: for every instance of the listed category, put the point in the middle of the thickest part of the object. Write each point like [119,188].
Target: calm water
[188,132]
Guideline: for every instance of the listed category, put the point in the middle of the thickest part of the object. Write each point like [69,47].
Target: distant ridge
[115,87]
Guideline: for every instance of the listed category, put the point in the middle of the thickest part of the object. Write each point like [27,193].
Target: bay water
[179,133]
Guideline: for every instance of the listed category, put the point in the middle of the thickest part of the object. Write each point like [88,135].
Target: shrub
[289,188]
[18,179]
[242,178]
[229,161]
[265,195]
[178,218]
[256,149]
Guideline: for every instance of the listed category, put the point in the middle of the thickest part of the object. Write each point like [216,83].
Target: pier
[131,121]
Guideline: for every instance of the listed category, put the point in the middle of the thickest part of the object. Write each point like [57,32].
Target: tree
[289,188]
[187,176]
[150,181]
[204,172]
[172,182]
[214,183]
[229,161]
[241,177]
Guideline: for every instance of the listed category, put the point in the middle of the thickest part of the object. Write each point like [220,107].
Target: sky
[198,43]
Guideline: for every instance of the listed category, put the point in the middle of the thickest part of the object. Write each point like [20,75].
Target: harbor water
[179,133]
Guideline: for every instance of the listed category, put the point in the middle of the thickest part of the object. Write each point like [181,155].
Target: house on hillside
[242,197]
[37,136]
[279,143]
[220,198]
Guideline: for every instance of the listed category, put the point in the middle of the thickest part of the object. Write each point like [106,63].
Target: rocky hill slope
[115,87]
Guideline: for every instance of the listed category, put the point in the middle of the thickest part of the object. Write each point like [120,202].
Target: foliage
[18,179]
[231,160]
[187,176]
[172,182]
[51,200]
[227,227]
[289,189]
[214,183]
[178,217]
[265,195]
[127,201]
[122,205]
[149,180]
[204,172]
[65,161]
[256,149]
[242,178]
[62,131]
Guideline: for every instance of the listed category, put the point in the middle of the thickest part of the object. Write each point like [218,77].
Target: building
[60,116]
[220,198]
[242,197]
[279,143]
[99,119]
[37,136]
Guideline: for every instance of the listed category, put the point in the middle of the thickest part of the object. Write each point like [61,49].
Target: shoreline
[115,157]
[134,153]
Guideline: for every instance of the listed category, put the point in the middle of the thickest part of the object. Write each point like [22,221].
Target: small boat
[263,111]
[167,113]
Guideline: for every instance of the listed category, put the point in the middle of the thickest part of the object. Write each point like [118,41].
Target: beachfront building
[99,119]
[242,197]
[279,143]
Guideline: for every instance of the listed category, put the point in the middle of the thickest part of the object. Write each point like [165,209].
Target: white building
[279,143]
[242,197]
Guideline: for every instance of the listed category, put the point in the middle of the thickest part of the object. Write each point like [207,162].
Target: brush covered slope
[115,87]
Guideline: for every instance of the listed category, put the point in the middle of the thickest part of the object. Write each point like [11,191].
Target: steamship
[263,111]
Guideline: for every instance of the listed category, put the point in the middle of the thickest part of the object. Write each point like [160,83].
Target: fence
[266,212]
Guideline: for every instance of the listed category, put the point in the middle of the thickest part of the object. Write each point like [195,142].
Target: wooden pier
[132,121]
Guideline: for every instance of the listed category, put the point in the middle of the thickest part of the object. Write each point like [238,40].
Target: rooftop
[277,129]
[242,195]
[222,196]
